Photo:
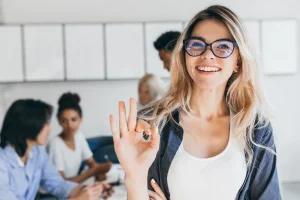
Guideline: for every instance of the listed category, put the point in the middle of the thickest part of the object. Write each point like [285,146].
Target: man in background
[165,44]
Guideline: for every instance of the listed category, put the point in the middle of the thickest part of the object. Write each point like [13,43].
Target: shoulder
[4,170]
[3,162]
[263,134]
[39,153]
[55,141]
[80,136]
[54,145]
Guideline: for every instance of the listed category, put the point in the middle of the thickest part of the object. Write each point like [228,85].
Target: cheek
[77,124]
[63,125]
[190,62]
[228,65]
[42,137]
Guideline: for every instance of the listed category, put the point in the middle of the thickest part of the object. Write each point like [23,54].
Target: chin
[209,85]
[41,143]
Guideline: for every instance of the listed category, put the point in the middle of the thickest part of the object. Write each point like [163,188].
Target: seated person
[24,163]
[69,149]
[150,88]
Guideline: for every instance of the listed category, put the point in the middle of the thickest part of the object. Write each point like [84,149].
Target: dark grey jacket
[261,182]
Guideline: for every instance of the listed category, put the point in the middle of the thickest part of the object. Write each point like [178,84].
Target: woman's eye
[223,46]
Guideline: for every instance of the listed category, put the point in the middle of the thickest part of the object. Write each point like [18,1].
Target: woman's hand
[134,153]
[158,194]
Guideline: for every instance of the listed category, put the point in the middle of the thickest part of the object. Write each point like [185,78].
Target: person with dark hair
[165,45]
[24,163]
[69,149]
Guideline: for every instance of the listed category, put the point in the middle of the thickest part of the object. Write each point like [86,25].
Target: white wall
[99,99]
[40,11]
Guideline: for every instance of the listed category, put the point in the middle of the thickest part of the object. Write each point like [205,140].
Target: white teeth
[209,69]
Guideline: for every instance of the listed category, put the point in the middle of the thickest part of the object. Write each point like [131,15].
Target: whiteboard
[84,52]
[279,46]
[125,51]
[253,32]
[11,64]
[43,52]
[153,31]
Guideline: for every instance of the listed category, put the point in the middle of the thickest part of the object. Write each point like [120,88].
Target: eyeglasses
[222,48]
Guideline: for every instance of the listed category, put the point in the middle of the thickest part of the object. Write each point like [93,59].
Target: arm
[51,181]
[134,153]
[136,187]
[5,190]
[81,177]
[100,168]
[87,156]
[265,184]
[58,160]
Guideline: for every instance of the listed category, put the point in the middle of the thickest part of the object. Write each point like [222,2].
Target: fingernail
[149,132]
[153,181]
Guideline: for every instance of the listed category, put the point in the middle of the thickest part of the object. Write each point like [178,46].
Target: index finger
[122,119]
[114,129]
[157,189]
[154,195]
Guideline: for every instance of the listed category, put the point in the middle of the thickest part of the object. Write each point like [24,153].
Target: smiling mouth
[208,69]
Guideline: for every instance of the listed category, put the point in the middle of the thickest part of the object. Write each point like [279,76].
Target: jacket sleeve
[265,184]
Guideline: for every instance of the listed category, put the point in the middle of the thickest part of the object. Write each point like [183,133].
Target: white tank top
[215,178]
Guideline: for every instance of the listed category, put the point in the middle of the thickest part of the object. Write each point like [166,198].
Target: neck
[67,136]
[30,145]
[209,103]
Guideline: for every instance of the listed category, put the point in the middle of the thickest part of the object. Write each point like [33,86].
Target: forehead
[69,113]
[211,30]
[143,86]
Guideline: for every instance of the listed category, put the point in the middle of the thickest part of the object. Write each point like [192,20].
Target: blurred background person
[24,163]
[165,45]
[69,149]
[150,89]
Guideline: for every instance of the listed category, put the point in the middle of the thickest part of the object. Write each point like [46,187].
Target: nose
[166,65]
[208,54]
[69,125]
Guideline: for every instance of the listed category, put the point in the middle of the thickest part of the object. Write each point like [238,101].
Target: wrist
[136,187]
[135,180]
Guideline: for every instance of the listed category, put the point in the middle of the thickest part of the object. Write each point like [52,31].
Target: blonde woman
[150,89]
[210,136]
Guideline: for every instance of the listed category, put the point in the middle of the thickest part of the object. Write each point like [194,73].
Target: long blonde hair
[244,94]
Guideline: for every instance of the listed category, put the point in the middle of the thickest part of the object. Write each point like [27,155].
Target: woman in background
[69,149]
[150,88]
[24,163]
